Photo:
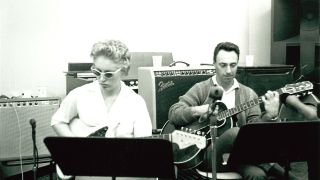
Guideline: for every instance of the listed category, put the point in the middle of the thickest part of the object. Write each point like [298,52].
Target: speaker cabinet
[295,31]
[16,131]
[264,78]
[161,87]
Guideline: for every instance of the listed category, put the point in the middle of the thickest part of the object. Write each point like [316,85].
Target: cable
[20,141]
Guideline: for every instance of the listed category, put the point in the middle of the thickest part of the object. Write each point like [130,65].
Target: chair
[222,175]
[219,175]
[192,174]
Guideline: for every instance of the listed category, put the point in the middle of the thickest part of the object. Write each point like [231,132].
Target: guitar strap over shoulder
[237,94]
[239,116]
[235,118]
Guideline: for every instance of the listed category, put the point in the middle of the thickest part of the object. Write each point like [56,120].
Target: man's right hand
[198,111]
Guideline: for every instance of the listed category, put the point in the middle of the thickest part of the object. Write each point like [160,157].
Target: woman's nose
[102,78]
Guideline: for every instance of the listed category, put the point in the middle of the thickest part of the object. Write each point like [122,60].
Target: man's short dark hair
[227,46]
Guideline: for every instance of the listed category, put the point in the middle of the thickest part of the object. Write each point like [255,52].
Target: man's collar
[234,86]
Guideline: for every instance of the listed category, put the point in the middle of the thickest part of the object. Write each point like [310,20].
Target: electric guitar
[180,139]
[98,133]
[193,156]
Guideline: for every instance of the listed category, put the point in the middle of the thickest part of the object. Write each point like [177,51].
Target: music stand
[115,157]
[281,142]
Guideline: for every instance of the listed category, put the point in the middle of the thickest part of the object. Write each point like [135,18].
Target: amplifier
[161,87]
[16,131]
[73,82]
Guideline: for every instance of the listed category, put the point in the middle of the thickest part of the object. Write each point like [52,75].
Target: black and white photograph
[159,90]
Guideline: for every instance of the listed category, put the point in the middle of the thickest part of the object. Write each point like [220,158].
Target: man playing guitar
[195,104]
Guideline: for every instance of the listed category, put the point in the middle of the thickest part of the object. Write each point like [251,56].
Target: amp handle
[176,62]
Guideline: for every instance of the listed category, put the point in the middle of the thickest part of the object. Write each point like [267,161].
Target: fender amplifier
[15,128]
[161,87]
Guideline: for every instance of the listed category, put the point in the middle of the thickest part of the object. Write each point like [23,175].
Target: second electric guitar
[192,156]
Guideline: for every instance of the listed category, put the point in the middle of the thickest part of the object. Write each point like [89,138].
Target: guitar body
[184,158]
[193,156]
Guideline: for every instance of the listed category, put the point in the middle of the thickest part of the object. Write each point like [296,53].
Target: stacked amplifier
[161,87]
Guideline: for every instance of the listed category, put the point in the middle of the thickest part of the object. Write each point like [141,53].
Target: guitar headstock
[298,88]
[186,139]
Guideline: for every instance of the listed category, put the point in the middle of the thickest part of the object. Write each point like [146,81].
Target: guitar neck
[161,136]
[242,107]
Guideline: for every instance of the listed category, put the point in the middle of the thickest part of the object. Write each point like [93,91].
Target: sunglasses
[105,74]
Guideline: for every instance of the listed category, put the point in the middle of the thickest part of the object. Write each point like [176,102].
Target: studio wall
[295,34]
[39,38]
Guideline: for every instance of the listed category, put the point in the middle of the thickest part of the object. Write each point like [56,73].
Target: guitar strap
[237,101]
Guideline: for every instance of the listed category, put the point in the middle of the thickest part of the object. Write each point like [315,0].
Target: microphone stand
[213,132]
[35,152]
[216,94]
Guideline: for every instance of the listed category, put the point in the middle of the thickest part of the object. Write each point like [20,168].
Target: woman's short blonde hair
[114,50]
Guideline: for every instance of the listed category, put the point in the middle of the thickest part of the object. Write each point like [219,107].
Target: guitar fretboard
[239,108]
[161,136]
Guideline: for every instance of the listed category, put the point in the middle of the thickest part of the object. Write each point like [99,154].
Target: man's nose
[228,69]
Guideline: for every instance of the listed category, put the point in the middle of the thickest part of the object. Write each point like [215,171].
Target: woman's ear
[125,70]
[126,67]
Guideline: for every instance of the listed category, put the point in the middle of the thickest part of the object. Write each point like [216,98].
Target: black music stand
[115,157]
[281,142]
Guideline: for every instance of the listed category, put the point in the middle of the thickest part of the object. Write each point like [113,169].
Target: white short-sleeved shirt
[85,111]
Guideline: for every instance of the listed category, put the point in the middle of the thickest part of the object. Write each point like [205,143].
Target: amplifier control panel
[185,72]
[28,102]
